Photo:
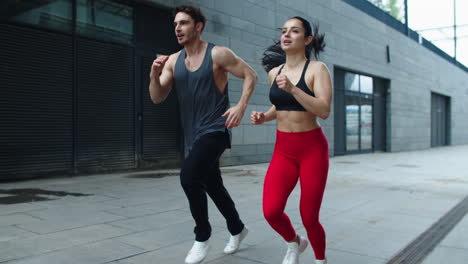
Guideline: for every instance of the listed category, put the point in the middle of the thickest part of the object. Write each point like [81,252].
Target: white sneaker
[197,253]
[323,261]
[294,250]
[234,241]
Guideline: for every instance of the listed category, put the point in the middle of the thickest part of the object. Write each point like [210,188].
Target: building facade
[74,82]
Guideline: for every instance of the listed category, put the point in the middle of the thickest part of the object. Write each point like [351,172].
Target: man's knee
[190,177]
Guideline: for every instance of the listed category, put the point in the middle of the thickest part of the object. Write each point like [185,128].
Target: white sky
[425,14]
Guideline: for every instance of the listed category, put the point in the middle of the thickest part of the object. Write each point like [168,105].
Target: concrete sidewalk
[374,205]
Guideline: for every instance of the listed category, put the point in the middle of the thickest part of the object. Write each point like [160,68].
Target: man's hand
[257,118]
[284,83]
[234,116]
[161,78]
[158,65]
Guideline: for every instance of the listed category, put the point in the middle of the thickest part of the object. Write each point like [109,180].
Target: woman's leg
[279,182]
[313,177]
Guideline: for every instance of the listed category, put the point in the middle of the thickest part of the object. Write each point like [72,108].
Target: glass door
[359,112]
[352,123]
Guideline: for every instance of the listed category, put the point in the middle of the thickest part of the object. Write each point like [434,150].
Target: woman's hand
[257,118]
[284,83]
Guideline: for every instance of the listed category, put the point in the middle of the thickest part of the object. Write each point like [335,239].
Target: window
[358,83]
[351,82]
[106,20]
[48,14]
[365,84]
[395,8]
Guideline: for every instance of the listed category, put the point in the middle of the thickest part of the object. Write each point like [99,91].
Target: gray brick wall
[355,41]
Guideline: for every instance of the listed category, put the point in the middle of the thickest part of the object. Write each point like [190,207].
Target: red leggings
[303,156]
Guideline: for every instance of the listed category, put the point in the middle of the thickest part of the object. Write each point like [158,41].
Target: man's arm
[259,118]
[230,62]
[161,78]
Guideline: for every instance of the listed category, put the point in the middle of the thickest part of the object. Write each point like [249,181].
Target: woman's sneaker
[294,250]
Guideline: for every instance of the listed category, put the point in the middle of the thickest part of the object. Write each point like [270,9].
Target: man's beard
[187,39]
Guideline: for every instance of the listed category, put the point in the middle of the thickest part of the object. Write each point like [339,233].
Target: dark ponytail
[275,56]
[318,41]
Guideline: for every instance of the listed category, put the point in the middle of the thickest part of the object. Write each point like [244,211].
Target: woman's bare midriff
[296,121]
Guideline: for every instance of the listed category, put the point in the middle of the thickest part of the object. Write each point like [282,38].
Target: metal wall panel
[105,108]
[36,132]
[161,129]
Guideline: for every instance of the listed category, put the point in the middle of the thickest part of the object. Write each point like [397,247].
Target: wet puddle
[160,175]
[153,175]
[241,173]
[347,162]
[229,171]
[27,195]
[406,166]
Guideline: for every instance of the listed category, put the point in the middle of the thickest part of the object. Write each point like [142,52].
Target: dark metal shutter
[105,107]
[35,102]
[161,129]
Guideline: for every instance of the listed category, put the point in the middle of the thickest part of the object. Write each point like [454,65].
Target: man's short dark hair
[193,12]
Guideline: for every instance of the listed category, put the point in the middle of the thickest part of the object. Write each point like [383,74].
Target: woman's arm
[317,77]
[258,118]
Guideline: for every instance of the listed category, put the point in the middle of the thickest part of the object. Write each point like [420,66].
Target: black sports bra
[286,101]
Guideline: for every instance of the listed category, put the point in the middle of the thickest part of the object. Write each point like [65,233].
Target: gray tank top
[200,102]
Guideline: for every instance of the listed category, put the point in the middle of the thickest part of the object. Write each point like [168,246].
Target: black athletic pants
[200,175]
